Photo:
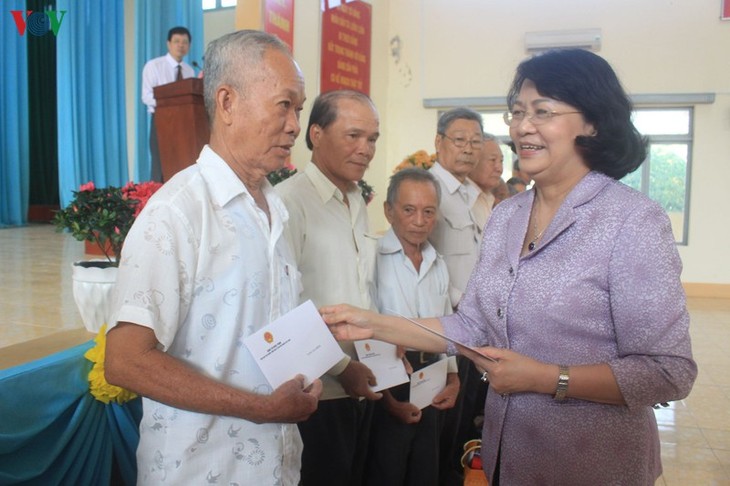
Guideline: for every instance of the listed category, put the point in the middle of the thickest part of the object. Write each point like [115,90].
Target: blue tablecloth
[53,431]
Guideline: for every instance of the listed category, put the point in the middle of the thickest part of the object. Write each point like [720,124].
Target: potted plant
[102,216]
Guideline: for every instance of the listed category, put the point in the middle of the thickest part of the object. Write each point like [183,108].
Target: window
[215,4]
[664,176]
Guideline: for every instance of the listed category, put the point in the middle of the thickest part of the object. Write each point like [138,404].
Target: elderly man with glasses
[457,235]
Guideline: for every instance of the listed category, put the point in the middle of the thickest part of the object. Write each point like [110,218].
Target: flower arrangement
[104,215]
[98,386]
[367,191]
[420,159]
[275,177]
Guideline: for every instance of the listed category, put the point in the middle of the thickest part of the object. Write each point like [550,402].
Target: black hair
[324,109]
[410,174]
[587,82]
[178,30]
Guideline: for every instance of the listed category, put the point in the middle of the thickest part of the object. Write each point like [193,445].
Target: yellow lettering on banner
[348,39]
[279,21]
[347,10]
[348,67]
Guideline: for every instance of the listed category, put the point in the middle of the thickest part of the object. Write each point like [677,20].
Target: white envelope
[299,342]
[382,359]
[428,382]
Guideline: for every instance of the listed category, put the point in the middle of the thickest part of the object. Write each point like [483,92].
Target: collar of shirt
[171,61]
[327,190]
[228,186]
[390,244]
[453,184]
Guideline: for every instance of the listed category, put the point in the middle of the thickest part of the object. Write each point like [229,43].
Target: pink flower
[141,192]
[89,186]
[116,230]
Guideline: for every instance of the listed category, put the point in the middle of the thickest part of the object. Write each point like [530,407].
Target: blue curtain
[53,431]
[153,19]
[14,152]
[92,131]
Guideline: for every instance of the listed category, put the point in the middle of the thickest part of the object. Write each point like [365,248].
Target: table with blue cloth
[53,431]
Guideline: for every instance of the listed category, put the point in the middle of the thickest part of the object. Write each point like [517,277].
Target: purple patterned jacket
[602,286]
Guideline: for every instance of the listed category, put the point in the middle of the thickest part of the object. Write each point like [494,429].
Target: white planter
[93,290]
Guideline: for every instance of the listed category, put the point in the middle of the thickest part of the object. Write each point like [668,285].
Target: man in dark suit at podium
[163,70]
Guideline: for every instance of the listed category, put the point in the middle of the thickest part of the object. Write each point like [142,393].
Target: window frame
[218,6]
[645,167]
[675,139]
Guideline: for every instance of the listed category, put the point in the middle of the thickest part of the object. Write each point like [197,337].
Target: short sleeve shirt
[203,268]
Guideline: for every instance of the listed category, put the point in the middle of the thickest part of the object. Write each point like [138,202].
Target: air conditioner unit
[562,39]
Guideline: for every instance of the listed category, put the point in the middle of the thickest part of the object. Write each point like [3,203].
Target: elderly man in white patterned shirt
[205,265]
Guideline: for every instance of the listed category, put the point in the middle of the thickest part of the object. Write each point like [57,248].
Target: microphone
[199,68]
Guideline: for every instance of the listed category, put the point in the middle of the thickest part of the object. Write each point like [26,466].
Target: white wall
[470,48]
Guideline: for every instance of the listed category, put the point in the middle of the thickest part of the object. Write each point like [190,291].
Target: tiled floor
[38,316]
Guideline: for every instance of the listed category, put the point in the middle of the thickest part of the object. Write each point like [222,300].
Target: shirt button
[500,313]
[511,271]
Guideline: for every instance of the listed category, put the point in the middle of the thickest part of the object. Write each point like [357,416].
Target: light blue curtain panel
[92,131]
[14,131]
[153,19]
[53,431]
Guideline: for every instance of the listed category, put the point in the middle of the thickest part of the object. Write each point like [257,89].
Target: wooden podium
[181,123]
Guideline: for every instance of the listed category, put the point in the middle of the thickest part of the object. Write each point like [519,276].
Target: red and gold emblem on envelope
[367,347]
[268,337]
[420,375]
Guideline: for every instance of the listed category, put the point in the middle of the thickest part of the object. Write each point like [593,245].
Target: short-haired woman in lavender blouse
[576,296]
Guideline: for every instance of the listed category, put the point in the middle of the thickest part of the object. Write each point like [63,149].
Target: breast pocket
[459,236]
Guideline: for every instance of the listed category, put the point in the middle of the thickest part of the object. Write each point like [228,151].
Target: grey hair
[232,58]
[410,174]
[454,114]
[488,137]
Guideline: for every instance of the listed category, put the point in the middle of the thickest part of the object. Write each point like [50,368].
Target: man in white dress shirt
[329,230]
[412,280]
[163,70]
[206,264]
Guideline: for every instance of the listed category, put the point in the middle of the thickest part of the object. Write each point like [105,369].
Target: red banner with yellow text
[279,20]
[346,36]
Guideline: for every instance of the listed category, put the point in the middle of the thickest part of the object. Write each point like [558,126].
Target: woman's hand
[514,373]
[348,323]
